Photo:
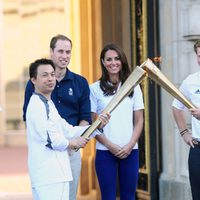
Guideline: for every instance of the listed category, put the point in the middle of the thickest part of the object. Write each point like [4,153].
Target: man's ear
[33,80]
[51,52]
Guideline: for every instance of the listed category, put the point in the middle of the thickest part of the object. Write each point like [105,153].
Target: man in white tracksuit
[49,137]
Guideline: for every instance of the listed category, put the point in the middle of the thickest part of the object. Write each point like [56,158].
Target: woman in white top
[117,148]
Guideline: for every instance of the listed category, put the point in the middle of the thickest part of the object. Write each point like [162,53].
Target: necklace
[113,83]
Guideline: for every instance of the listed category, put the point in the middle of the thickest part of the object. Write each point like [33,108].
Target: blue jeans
[194,171]
[109,167]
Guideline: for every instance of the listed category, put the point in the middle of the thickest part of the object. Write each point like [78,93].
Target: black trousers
[194,171]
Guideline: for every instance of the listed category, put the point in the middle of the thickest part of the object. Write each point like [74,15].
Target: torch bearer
[133,80]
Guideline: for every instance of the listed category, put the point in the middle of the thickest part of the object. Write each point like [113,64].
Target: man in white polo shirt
[191,90]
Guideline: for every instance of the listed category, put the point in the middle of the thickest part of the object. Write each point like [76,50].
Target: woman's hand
[104,117]
[113,148]
[125,151]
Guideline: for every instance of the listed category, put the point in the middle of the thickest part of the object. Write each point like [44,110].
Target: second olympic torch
[156,75]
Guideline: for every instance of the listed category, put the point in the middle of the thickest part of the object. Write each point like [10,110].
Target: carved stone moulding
[191,22]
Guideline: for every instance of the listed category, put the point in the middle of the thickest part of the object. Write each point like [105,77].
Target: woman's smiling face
[112,62]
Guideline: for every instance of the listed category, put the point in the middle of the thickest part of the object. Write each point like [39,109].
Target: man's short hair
[56,38]
[196,45]
[34,66]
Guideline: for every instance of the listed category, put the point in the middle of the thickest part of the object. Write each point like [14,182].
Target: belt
[196,143]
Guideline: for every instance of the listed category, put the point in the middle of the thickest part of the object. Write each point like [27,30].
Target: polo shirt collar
[68,75]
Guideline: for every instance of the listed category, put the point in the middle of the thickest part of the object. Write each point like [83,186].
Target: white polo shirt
[119,130]
[190,88]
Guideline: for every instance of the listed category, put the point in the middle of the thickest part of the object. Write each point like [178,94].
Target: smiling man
[49,137]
